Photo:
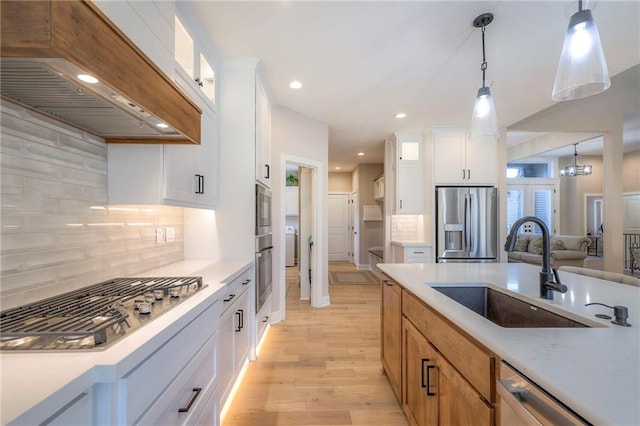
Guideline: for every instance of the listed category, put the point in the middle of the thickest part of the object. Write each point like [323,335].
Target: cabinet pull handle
[429,393]
[463,174]
[268,171]
[200,83]
[400,203]
[422,385]
[200,184]
[246,281]
[231,296]
[418,252]
[468,173]
[387,283]
[239,327]
[265,319]
[194,396]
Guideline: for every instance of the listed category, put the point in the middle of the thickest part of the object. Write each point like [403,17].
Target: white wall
[298,138]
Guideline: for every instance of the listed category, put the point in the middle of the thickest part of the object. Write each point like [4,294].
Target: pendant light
[575,169]
[484,122]
[582,70]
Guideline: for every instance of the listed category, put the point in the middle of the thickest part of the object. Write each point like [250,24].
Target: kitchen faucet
[547,283]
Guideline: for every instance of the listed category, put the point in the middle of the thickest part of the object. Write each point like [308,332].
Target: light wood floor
[320,366]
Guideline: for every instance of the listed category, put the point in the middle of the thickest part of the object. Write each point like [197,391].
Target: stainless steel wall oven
[264,262]
[263,210]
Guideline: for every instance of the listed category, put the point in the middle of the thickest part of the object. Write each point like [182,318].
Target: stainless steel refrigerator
[467,224]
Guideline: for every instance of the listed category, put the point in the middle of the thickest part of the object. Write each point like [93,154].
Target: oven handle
[265,249]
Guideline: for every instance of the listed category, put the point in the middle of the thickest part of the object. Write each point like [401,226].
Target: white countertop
[410,243]
[595,371]
[49,379]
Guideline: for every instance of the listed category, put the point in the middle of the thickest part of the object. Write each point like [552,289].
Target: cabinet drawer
[235,288]
[415,252]
[142,386]
[475,362]
[189,392]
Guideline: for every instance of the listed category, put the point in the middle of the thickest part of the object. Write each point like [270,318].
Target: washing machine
[290,246]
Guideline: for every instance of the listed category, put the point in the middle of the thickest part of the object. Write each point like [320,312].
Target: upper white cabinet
[190,172]
[179,175]
[378,188]
[263,135]
[458,160]
[194,72]
[291,201]
[408,161]
[149,24]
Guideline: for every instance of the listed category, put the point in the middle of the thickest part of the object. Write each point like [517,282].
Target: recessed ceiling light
[87,78]
[337,167]
[361,154]
[295,85]
[162,125]
[400,115]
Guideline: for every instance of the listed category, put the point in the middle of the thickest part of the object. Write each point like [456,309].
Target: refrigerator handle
[467,222]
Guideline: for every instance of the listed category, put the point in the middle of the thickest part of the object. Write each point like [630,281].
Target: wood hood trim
[80,33]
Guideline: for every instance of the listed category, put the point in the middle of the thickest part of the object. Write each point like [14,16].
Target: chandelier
[575,169]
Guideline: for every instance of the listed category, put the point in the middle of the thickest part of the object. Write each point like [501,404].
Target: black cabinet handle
[400,203]
[387,283]
[231,296]
[468,173]
[463,174]
[196,393]
[247,281]
[265,319]
[241,319]
[200,83]
[268,171]
[238,327]
[200,184]
[422,384]
[429,393]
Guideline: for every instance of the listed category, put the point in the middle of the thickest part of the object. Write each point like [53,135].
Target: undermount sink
[505,310]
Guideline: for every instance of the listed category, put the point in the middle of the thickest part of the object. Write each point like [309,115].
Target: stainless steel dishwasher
[524,403]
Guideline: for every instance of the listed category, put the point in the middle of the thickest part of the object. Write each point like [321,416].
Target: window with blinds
[514,207]
[542,208]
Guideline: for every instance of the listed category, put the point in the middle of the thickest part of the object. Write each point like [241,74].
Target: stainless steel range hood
[46,45]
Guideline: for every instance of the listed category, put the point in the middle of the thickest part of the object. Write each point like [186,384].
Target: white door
[532,200]
[355,229]
[338,228]
[306,231]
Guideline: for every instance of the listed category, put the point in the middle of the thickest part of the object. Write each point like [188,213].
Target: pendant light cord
[483,66]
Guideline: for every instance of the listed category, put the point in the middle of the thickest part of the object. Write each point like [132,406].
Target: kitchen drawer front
[235,288]
[415,252]
[190,391]
[475,362]
[142,386]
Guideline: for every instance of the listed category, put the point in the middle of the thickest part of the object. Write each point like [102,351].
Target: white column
[613,202]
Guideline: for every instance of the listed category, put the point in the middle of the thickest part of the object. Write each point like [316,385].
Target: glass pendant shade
[582,70]
[484,122]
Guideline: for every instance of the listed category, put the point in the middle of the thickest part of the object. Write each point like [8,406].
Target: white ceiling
[361,62]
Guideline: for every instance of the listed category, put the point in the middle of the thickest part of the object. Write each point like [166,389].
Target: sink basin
[505,310]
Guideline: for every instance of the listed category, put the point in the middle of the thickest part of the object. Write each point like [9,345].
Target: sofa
[566,250]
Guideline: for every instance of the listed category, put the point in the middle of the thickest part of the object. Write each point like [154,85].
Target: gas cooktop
[93,317]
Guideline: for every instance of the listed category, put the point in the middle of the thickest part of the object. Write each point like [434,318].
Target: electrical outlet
[159,236]
[170,234]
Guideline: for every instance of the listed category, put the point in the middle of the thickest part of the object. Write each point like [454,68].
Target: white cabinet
[193,71]
[235,330]
[411,253]
[180,175]
[263,319]
[409,171]
[78,411]
[149,25]
[190,172]
[263,135]
[458,160]
[164,382]
[378,188]
[291,201]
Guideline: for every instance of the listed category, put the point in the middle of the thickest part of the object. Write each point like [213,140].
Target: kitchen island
[38,385]
[594,371]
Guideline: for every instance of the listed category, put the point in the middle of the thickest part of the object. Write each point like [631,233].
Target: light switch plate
[159,236]
[170,234]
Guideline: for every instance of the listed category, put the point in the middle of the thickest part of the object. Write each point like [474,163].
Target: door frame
[347,227]
[319,274]
[354,222]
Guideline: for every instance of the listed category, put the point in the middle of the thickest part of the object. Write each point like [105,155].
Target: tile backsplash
[58,231]
[406,228]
